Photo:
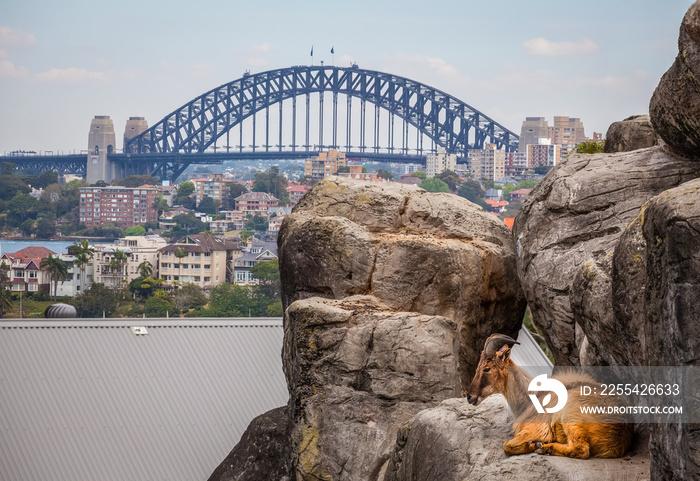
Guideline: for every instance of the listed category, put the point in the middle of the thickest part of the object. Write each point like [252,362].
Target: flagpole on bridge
[333,55]
[312,55]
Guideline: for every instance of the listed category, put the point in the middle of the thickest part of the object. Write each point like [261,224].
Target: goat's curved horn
[497,341]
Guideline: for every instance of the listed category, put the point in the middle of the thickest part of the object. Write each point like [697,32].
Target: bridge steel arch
[197,125]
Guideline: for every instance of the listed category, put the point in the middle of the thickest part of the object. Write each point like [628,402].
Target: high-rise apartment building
[438,162]
[216,187]
[489,163]
[543,154]
[533,128]
[123,206]
[325,164]
[567,132]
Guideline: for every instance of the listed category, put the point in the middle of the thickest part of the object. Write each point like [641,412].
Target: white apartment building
[136,248]
[488,163]
[438,162]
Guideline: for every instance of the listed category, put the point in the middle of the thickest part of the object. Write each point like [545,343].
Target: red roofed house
[25,273]
[296,192]
[519,194]
[499,206]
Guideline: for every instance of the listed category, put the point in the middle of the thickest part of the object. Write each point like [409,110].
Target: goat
[568,432]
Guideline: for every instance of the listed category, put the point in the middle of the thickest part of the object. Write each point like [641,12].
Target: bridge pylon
[101,143]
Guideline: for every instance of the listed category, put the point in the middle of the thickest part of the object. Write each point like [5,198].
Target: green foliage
[160,205]
[257,222]
[385,174]
[184,191]
[343,169]
[56,269]
[273,183]
[136,181]
[450,178]
[136,230]
[591,147]
[419,173]
[275,309]
[46,227]
[189,296]
[268,275]
[93,301]
[434,185]
[207,205]
[187,224]
[526,184]
[471,190]
[156,306]
[235,189]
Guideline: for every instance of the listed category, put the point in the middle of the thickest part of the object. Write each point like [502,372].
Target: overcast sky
[61,63]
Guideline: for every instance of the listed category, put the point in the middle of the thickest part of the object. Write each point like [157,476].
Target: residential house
[255,252]
[208,260]
[25,274]
[296,192]
[276,215]
[256,202]
[497,206]
[357,174]
[520,194]
[494,194]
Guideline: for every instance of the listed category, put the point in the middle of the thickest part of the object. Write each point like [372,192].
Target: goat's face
[491,376]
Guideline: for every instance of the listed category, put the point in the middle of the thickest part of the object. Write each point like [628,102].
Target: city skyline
[61,65]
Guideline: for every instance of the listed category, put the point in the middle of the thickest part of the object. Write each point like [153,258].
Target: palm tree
[82,253]
[116,264]
[56,269]
[145,269]
[180,253]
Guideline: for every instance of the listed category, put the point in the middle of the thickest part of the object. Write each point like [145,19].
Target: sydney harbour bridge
[296,112]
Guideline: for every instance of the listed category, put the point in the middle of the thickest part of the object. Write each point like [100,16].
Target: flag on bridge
[312,50]
[332,50]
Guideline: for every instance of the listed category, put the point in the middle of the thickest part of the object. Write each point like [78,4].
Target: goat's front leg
[521,444]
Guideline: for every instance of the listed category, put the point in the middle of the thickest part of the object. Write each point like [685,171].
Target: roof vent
[139,330]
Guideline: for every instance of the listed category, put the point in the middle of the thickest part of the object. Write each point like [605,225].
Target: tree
[257,222]
[5,293]
[23,206]
[135,230]
[83,252]
[591,147]
[268,275]
[418,173]
[95,301]
[180,254]
[189,296]
[184,191]
[273,183]
[207,205]
[343,169]
[235,189]
[471,190]
[116,264]
[188,224]
[45,179]
[434,185]
[450,178]
[526,184]
[157,306]
[46,227]
[136,181]
[160,205]
[145,269]
[57,270]
[385,174]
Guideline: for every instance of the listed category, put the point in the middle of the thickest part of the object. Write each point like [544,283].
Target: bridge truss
[416,119]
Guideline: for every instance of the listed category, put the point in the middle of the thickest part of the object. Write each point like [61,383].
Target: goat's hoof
[541,450]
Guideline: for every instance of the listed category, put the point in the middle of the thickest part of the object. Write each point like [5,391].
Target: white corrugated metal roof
[92,400]
[528,354]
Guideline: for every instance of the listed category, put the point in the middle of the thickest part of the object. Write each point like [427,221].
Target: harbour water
[59,247]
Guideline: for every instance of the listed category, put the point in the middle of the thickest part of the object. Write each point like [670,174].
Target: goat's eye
[487,369]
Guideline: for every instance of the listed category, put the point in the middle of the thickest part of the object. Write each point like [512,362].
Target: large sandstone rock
[456,441]
[672,302]
[359,371]
[633,133]
[569,227]
[436,254]
[262,453]
[675,105]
